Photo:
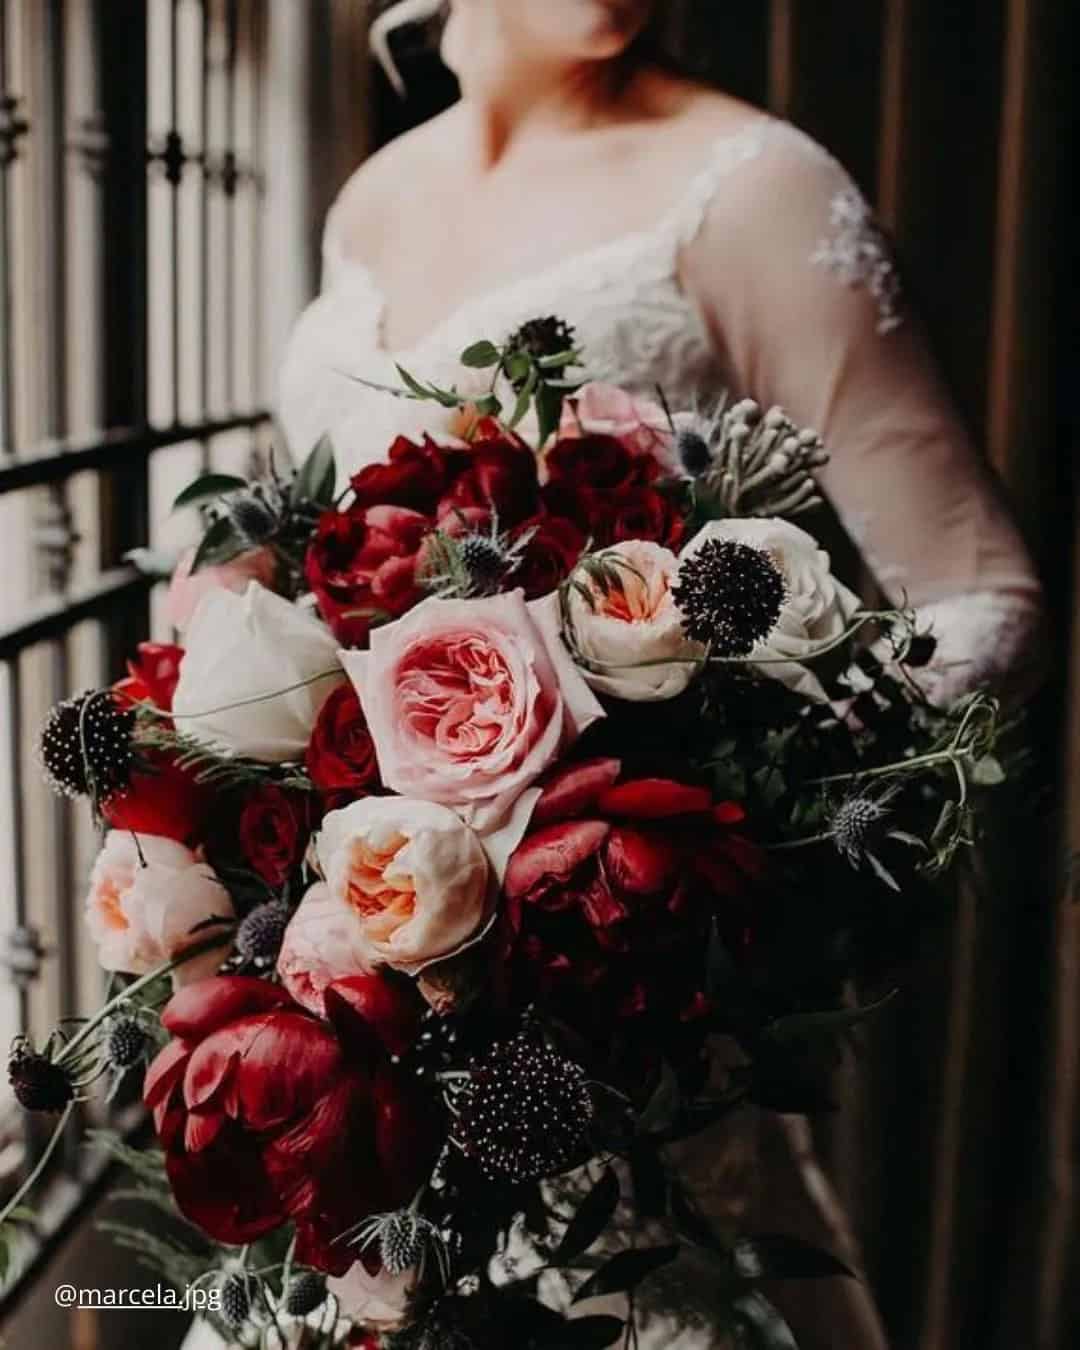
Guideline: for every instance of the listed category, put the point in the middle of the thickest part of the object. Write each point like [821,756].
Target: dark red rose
[414,476]
[153,675]
[269,1115]
[637,513]
[495,476]
[361,565]
[612,897]
[550,555]
[161,799]
[341,755]
[274,829]
[595,464]
[609,493]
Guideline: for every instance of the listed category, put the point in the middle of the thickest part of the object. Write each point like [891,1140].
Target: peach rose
[606,410]
[406,883]
[185,590]
[632,636]
[469,701]
[147,895]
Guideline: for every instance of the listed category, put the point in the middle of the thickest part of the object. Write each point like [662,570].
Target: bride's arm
[806,305]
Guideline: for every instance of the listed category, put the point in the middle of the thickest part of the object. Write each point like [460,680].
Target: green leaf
[219,544]
[766,1328]
[584,1333]
[488,406]
[517,366]
[774,1256]
[209,485]
[480,356]
[549,405]
[317,476]
[801,1025]
[625,1271]
[524,398]
[592,1217]
[412,383]
[663,1106]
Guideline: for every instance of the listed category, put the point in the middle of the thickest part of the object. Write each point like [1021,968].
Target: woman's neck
[536,105]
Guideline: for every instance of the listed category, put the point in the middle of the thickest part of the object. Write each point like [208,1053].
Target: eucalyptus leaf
[625,1271]
[207,486]
[801,1025]
[764,1326]
[524,399]
[592,1217]
[775,1256]
[317,476]
[480,356]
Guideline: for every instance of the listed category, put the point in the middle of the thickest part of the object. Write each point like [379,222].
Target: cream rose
[469,701]
[406,883]
[147,896]
[256,671]
[816,607]
[633,634]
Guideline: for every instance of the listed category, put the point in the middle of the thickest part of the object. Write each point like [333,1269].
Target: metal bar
[175,180]
[118,448]
[204,228]
[53,618]
[21,978]
[258,169]
[230,178]
[8,105]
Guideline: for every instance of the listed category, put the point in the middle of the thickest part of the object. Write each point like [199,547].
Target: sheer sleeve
[805,304]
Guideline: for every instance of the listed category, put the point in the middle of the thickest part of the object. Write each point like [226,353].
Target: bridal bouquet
[509,813]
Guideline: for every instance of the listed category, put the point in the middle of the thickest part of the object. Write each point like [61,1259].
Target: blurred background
[165,166]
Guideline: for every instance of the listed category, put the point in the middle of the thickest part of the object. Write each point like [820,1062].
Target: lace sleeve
[806,305]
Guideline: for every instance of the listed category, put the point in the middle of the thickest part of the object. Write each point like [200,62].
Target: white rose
[816,609]
[147,896]
[634,624]
[406,883]
[256,671]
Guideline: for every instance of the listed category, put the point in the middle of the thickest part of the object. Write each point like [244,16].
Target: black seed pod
[731,596]
[38,1083]
[524,1111]
[86,745]
[236,1294]
[125,1043]
[694,451]
[253,517]
[306,1293]
[540,338]
[259,936]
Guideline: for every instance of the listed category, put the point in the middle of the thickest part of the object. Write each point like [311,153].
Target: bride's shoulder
[371,196]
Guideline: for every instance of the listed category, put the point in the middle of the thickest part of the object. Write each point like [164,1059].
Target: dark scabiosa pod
[86,746]
[731,596]
[38,1082]
[524,1111]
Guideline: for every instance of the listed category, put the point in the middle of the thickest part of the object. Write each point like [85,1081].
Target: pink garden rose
[406,883]
[640,424]
[469,701]
[147,896]
[185,590]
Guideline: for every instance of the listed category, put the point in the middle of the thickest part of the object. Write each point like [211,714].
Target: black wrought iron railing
[131,152]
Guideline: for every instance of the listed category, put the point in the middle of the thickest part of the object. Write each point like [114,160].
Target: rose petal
[552,855]
[654,799]
[574,789]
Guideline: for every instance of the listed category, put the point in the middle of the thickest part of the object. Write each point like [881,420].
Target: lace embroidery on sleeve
[859,252]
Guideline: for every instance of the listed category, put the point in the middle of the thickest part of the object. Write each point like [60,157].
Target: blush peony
[147,898]
[469,701]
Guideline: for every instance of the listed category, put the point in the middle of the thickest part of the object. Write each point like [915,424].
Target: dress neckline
[675,227]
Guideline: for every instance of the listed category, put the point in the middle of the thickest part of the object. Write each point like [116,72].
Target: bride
[694,243]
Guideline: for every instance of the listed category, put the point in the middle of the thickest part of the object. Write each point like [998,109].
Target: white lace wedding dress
[806,310]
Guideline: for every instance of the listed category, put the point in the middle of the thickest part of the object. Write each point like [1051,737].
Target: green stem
[244,702]
[200,949]
[788,844]
[42,1163]
[897,766]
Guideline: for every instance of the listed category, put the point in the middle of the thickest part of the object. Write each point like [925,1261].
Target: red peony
[152,675]
[274,828]
[496,475]
[610,493]
[269,1115]
[414,476]
[161,799]
[341,756]
[612,897]
[550,555]
[361,566]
